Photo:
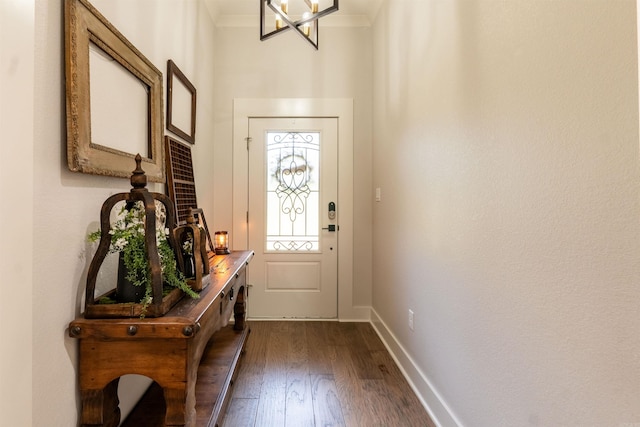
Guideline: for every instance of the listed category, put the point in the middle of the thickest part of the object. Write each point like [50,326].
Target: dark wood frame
[84,25]
[174,71]
[198,215]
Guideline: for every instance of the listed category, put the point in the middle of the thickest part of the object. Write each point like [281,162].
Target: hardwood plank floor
[320,374]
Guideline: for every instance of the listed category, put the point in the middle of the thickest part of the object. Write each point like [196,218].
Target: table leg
[239,310]
[181,403]
[100,407]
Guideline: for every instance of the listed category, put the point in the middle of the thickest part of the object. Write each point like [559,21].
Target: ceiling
[246,12]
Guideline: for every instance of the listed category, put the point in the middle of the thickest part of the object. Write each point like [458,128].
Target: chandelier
[302,18]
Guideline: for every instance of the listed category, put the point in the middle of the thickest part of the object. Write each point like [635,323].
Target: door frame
[340,108]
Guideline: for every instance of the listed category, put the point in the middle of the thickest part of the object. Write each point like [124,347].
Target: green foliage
[127,237]
[106,300]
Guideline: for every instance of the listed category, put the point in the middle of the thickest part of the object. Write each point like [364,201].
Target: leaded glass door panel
[293,190]
[292,182]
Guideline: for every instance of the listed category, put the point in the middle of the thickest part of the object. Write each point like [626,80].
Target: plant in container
[128,240]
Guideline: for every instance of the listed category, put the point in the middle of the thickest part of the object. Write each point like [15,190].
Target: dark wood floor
[320,374]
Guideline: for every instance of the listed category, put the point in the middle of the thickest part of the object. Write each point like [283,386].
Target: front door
[293,217]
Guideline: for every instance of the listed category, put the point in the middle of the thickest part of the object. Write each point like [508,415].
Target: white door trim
[342,109]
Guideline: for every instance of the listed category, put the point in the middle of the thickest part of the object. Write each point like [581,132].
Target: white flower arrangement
[187,246]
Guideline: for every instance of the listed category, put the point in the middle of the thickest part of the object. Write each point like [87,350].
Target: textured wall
[67,205]
[506,149]
[16,209]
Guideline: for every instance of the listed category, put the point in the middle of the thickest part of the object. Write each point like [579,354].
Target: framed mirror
[113,97]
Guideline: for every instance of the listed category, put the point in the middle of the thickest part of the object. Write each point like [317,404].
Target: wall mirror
[114,99]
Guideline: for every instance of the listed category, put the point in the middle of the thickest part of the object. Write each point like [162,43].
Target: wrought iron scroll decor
[293,177]
[293,189]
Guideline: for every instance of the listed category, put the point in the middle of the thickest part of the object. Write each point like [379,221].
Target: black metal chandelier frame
[290,24]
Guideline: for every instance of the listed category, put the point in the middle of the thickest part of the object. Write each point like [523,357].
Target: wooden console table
[176,350]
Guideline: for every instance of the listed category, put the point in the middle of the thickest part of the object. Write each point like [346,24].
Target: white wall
[288,67]
[67,205]
[16,209]
[506,148]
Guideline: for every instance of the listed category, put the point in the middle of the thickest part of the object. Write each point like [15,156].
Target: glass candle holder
[221,241]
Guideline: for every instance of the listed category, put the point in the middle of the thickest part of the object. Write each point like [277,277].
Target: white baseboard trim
[356,313]
[437,408]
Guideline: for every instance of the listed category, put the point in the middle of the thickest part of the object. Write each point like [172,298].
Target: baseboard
[428,395]
[354,314]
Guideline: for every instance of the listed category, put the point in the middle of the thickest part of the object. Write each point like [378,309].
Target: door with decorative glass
[293,217]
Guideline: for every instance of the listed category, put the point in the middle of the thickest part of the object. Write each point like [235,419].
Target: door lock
[332,211]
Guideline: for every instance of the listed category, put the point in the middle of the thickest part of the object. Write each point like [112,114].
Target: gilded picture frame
[107,122]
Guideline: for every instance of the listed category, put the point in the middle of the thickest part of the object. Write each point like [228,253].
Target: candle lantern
[222,242]
[192,240]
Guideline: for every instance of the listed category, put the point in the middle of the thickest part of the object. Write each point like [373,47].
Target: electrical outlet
[411,319]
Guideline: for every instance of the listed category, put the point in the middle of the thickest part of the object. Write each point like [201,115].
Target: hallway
[320,374]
